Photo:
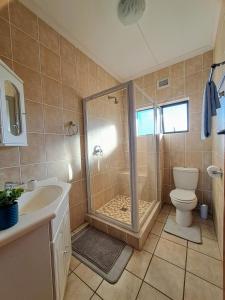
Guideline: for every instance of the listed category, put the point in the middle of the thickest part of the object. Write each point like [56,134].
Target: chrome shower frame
[129,86]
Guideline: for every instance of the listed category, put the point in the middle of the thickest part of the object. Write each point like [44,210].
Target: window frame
[175,104]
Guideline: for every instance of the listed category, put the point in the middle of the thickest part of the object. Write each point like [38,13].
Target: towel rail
[213,66]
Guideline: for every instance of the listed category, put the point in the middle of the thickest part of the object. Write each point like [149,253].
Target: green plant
[9,196]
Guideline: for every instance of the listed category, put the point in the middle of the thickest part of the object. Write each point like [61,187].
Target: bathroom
[111,116]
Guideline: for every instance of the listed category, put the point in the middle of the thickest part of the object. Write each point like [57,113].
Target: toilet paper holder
[214,171]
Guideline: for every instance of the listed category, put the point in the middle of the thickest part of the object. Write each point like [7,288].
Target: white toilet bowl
[183,197]
[184,201]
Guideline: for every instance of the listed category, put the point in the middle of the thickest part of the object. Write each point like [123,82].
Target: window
[145,121]
[175,117]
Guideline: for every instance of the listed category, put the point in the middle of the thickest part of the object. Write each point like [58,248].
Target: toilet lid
[183,195]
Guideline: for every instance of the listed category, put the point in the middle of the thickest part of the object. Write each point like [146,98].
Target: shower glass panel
[146,153]
[121,155]
[108,156]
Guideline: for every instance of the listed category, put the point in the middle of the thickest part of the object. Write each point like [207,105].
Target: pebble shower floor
[119,208]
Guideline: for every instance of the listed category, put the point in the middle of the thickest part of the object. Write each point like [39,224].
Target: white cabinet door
[59,266]
[62,255]
[67,242]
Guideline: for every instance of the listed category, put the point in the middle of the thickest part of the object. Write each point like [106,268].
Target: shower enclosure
[121,155]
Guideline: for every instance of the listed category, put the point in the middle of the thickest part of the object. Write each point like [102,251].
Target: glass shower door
[108,156]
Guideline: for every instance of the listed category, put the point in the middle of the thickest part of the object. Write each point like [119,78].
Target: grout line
[83,281]
[205,254]
[204,280]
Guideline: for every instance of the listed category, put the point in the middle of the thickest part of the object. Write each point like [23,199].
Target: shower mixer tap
[98,151]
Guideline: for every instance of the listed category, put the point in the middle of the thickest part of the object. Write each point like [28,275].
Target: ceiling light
[130,11]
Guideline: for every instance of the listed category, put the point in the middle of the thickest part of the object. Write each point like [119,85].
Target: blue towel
[210,104]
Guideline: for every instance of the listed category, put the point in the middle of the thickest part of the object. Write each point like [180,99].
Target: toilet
[183,197]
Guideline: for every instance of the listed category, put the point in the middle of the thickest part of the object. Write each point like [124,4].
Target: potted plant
[9,207]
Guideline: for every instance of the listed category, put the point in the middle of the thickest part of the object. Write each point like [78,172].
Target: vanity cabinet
[35,259]
[61,247]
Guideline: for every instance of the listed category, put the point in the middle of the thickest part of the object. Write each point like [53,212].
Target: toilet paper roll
[214,171]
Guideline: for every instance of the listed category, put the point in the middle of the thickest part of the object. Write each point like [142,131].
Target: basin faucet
[9,185]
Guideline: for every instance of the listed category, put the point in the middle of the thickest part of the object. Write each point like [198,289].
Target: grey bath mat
[104,254]
[192,233]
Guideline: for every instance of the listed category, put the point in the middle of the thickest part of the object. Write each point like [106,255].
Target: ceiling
[168,32]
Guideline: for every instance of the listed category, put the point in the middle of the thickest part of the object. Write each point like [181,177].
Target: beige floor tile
[174,238]
[162,217]
[76,289]
[166,277]
[95,297]
[205,267]
[74,263]
[151,242]
[171,252]
[208,247]
[139,262]
[157,228]
[208,231]
[166,208]
[198,289]
[91,278]
[125,289]
[149,293]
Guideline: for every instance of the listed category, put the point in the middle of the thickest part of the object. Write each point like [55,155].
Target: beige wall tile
[50,63]
[5,45]
[37,171]
[177,70]
[23,18]
[48,37]
[53,119]
[4,9]
[54,147]
[9,157]
[34,116]
[32,82]
[10,174]
[67,51]
[68,73]
[52,91]
[58,169]
[25,49]
[207,59]
[194,83]
[35,152]
[193,65]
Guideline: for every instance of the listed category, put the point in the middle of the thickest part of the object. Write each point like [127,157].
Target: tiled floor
[167,268]
[119,208]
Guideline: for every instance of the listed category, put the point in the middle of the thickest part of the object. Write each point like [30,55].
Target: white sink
[40,198]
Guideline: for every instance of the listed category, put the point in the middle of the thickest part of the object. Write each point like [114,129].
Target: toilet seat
[183,196]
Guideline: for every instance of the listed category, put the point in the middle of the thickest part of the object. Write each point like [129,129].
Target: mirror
[12,96]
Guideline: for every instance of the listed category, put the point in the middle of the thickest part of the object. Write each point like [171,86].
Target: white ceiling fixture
[130,11]
[169,31]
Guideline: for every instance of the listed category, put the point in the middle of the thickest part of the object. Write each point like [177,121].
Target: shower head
[116,101]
